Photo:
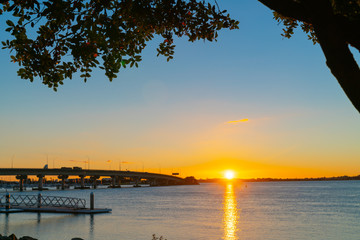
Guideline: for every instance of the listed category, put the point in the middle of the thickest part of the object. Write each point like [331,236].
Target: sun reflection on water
[230,213]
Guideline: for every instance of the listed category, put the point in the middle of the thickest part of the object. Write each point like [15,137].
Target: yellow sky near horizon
[247,146]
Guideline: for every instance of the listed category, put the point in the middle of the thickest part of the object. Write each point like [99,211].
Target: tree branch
[348,27]
[335,46]
[288,8]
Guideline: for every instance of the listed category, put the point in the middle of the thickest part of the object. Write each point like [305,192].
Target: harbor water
[229,211]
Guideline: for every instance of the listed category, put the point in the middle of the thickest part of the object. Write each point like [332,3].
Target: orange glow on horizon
[244,169]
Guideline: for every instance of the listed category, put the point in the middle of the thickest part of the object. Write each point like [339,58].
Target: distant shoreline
[340,178]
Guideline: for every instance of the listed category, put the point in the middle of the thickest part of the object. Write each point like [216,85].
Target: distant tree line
[339,178]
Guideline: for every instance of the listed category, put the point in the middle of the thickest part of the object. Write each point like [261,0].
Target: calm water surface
[272,210]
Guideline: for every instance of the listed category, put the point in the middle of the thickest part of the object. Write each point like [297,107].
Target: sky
[253,102]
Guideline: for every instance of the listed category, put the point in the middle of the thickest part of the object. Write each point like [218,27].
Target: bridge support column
[21,184]
[113,181]
[137,180]
[118,181]
[82,181]
[94,179]
[21,181]
[40,182]
[153,182]
[63,183]
[63,178]
[163,182]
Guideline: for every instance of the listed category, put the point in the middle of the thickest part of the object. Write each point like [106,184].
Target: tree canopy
[53,39]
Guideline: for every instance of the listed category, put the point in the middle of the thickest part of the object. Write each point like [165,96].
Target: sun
[229,174]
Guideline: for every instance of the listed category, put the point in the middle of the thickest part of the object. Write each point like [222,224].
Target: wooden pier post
[39,201]
[7,201]
[92,201]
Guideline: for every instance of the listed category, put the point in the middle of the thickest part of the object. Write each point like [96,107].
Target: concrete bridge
[64,173]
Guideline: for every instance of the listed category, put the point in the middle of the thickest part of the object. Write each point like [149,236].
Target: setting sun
[229,174]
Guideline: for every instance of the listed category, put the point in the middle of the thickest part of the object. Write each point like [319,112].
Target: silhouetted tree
[334,24]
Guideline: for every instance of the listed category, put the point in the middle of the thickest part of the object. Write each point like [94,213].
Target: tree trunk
[331,36]
[335,47]
[341,63]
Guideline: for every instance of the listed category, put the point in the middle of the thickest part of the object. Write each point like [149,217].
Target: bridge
[64,173]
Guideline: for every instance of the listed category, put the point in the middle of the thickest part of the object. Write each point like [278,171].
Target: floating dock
[11,210]
[48,204]
[56,210]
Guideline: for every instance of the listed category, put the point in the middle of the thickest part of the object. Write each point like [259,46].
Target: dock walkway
[50,204]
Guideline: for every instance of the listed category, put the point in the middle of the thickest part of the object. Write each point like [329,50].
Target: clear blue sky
[172,116]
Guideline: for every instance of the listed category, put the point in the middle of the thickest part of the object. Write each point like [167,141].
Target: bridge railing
[41,201]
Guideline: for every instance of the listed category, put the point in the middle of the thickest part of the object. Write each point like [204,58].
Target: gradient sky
[252,101]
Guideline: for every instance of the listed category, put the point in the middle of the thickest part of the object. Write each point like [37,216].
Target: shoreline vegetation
[13,237]
[339,178]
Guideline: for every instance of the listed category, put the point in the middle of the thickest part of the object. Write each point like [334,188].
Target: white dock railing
[39,201]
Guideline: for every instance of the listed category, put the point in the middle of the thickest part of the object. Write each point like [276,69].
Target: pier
[50,204]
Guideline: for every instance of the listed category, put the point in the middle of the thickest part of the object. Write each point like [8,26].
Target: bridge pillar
[137,180]
[82,181]
[153,182]
[94,179]
[63,178]
[21,184]
[163,182]
[118,181]
[115,182]
[40,182]
[21,181]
